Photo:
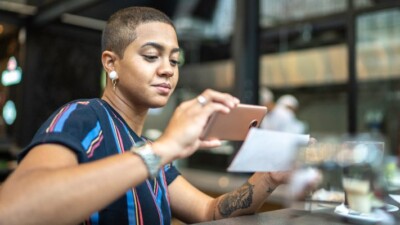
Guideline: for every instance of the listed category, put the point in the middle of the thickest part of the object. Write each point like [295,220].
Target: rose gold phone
[235,125]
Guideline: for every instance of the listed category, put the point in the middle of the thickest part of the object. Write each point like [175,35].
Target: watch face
[152,161]
[140,144]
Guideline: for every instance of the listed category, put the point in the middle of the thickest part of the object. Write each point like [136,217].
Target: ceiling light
[18,8]
[83,21]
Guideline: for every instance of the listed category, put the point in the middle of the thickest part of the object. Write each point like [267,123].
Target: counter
[293,216]
[299,213]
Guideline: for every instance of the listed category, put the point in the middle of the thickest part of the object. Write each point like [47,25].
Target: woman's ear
[108,59]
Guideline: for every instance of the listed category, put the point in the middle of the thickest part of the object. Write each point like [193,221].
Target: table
[208,181]
[290,216]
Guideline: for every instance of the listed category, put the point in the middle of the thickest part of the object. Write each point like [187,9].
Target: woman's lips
[163,89]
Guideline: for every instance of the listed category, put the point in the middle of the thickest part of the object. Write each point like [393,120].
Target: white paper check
[395,197]
[265,150]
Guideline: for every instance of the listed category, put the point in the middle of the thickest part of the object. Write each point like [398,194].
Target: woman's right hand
[181,138]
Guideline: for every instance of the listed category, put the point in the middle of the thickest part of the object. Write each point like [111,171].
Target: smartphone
[235,125]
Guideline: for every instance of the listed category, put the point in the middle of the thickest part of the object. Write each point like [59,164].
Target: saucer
[391,208]
[372,217]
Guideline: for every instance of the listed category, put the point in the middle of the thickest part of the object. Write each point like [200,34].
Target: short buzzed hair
[120,29]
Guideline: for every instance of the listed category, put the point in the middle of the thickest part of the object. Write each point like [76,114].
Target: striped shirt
[94,130]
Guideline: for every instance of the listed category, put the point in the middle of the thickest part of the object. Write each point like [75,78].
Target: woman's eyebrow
[159,47]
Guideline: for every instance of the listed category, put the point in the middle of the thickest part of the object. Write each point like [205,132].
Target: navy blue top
[94,130]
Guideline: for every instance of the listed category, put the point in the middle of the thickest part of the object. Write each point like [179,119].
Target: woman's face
[148,72]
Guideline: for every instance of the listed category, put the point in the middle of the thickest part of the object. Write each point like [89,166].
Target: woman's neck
[133,116]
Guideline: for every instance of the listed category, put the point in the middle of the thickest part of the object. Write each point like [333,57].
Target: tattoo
[270,190]
[239,199]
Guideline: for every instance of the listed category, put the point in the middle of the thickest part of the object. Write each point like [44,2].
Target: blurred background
[340,58]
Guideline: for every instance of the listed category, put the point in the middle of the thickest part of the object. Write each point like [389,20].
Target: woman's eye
[150,58]
[174,62]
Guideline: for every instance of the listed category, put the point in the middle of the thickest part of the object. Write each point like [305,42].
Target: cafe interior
[339,58]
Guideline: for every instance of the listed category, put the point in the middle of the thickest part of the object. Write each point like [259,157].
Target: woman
[89,163]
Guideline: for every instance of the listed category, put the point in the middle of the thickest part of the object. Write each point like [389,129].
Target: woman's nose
[166,69]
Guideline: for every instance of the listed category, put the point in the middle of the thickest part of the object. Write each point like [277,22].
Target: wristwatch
[150,159]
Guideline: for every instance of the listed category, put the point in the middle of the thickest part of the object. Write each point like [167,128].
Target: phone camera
[253,123]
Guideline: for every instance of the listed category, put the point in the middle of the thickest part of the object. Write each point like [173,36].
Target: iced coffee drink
[358,194]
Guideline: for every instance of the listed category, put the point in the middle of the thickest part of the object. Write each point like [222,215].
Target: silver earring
[114,77]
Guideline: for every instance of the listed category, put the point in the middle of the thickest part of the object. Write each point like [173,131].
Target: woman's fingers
[190,118]
[212,143]
[218,97]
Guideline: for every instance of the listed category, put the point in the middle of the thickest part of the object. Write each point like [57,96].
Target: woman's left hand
[280,177]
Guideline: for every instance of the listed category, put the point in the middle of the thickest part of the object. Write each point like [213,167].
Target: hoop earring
[114,77]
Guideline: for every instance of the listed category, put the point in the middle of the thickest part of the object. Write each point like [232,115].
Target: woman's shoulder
[80,105]
[75,112]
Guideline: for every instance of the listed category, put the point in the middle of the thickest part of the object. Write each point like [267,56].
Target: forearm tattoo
[239,199]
